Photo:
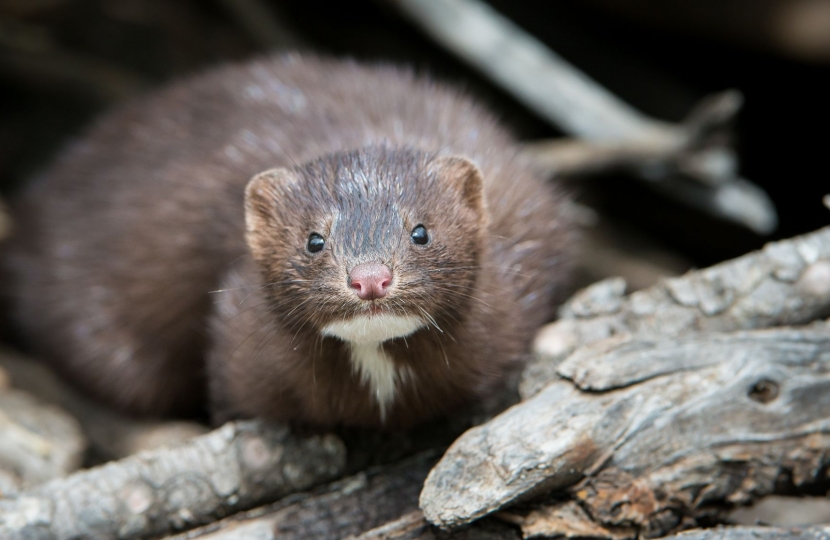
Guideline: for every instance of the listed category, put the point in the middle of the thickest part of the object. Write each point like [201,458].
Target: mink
[294,238]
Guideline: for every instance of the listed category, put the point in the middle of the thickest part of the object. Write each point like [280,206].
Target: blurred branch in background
[692,161]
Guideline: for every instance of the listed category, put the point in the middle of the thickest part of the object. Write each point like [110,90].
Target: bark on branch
[756,533]
[38,442]
[648,432]
[230,469]
[786,283]
[414,527]
[343,508]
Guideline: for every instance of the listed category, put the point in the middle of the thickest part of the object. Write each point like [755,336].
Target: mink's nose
[370,281]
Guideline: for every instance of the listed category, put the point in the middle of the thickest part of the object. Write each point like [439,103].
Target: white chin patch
[365,335]
[373,328]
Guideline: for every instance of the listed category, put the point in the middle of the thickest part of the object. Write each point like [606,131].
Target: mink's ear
[262,193]
[462,174]
[262,196]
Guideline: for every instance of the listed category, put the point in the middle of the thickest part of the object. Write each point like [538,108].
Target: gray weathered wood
[783,511]
[755,533]
[152,493]
[786,283]
[346,507]
[564,520]
[413,526]
[652,429]
[38,441]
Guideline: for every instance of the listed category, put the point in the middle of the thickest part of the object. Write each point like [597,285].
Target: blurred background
[64,61]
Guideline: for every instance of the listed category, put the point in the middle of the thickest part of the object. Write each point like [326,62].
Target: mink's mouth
[375,309]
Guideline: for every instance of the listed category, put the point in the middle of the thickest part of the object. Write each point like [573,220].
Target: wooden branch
[569,520]
[644,431]
[38,442]
[346,507]
[783,511]
[618,135]
[755,533]
[153,493]
[697,169]
[413,526]
[786,283]
[535,75]
[564,520]
[715,162]
[111,435]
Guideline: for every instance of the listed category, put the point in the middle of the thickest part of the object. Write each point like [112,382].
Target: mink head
[368,245]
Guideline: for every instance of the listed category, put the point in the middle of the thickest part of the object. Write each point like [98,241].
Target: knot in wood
[764,391]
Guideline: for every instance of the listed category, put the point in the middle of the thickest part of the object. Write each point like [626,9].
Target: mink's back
[121,240]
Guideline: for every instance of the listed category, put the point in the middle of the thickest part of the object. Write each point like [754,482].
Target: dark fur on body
[123,239]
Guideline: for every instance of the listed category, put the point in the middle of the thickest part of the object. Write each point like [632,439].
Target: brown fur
[123,239]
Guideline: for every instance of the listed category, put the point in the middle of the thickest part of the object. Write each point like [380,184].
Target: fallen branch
[786,283]
[618,134]
[346,507]
[38,442]
[569,520]
[755,533]
[645,432]
[414,527]
[153,493]
[783,511]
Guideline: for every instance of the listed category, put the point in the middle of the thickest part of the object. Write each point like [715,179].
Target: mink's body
[123,239]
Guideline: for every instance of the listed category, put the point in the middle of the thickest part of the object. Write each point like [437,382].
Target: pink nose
[370,281]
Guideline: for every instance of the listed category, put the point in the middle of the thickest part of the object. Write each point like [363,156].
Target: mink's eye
[419,235]
[315,243]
